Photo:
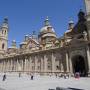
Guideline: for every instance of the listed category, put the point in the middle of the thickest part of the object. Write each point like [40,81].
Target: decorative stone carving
[78,52]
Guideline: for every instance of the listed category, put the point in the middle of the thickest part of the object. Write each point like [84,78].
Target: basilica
[47,54]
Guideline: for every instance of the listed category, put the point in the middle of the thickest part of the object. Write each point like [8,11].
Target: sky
[26,16]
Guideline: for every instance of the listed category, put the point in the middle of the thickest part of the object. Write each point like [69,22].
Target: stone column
[14,64]
[11,65]
[29,66]
[42,64]
[7,67]
[67,66]
[35,64]
[17,64]
[26,64]
[4,66]
[62,69]
[88,58]
[53,63]
[70,66]
[30,62]
[22,65]
[45,64]
[1,66]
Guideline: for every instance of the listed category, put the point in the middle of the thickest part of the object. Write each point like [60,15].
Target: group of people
[65,76]
[4,76]
[30,76]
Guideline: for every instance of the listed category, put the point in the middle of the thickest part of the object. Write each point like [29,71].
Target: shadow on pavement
[2,89]
[75,88]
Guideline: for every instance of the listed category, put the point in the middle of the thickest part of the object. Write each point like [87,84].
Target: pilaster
[88,58]
[35,64]
[45,64]
[53,63]
[67,61]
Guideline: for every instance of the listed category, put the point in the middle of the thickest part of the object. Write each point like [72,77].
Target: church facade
[47,54]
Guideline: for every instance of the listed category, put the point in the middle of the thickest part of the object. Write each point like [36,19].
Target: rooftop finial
[34,34]
[47,23]
[71,23]
[47,18]
[5,20]
[13,43]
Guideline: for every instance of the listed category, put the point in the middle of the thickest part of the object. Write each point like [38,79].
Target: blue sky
[28,15]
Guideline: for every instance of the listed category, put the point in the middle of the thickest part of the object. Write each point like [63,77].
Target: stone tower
[4,37]
[87,5]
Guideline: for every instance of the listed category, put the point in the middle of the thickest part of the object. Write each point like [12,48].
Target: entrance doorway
[78,64]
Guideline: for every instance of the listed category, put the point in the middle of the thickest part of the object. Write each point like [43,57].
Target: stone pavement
[14,82]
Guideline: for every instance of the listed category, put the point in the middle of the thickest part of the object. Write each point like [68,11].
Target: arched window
[5,32]
[3,45]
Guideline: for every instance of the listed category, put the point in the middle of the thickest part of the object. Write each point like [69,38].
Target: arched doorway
[78,64]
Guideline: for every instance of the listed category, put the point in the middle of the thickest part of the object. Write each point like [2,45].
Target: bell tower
[87,6]
[4,36]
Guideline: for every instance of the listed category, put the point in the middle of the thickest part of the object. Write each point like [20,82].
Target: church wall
[53,61]
[49,61]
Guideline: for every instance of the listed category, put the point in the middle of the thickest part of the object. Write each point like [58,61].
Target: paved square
[13,82]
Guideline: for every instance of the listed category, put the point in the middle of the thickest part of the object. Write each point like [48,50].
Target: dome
[46,26]
[23,43]
[45,29]
[71,22]
[49,35]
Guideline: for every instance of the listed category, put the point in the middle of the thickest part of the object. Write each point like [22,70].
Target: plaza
[14,82]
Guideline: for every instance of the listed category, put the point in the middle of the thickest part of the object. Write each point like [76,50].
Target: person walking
[31,77]
[4,77]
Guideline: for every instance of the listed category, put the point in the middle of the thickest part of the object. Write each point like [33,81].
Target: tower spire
[5,22]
